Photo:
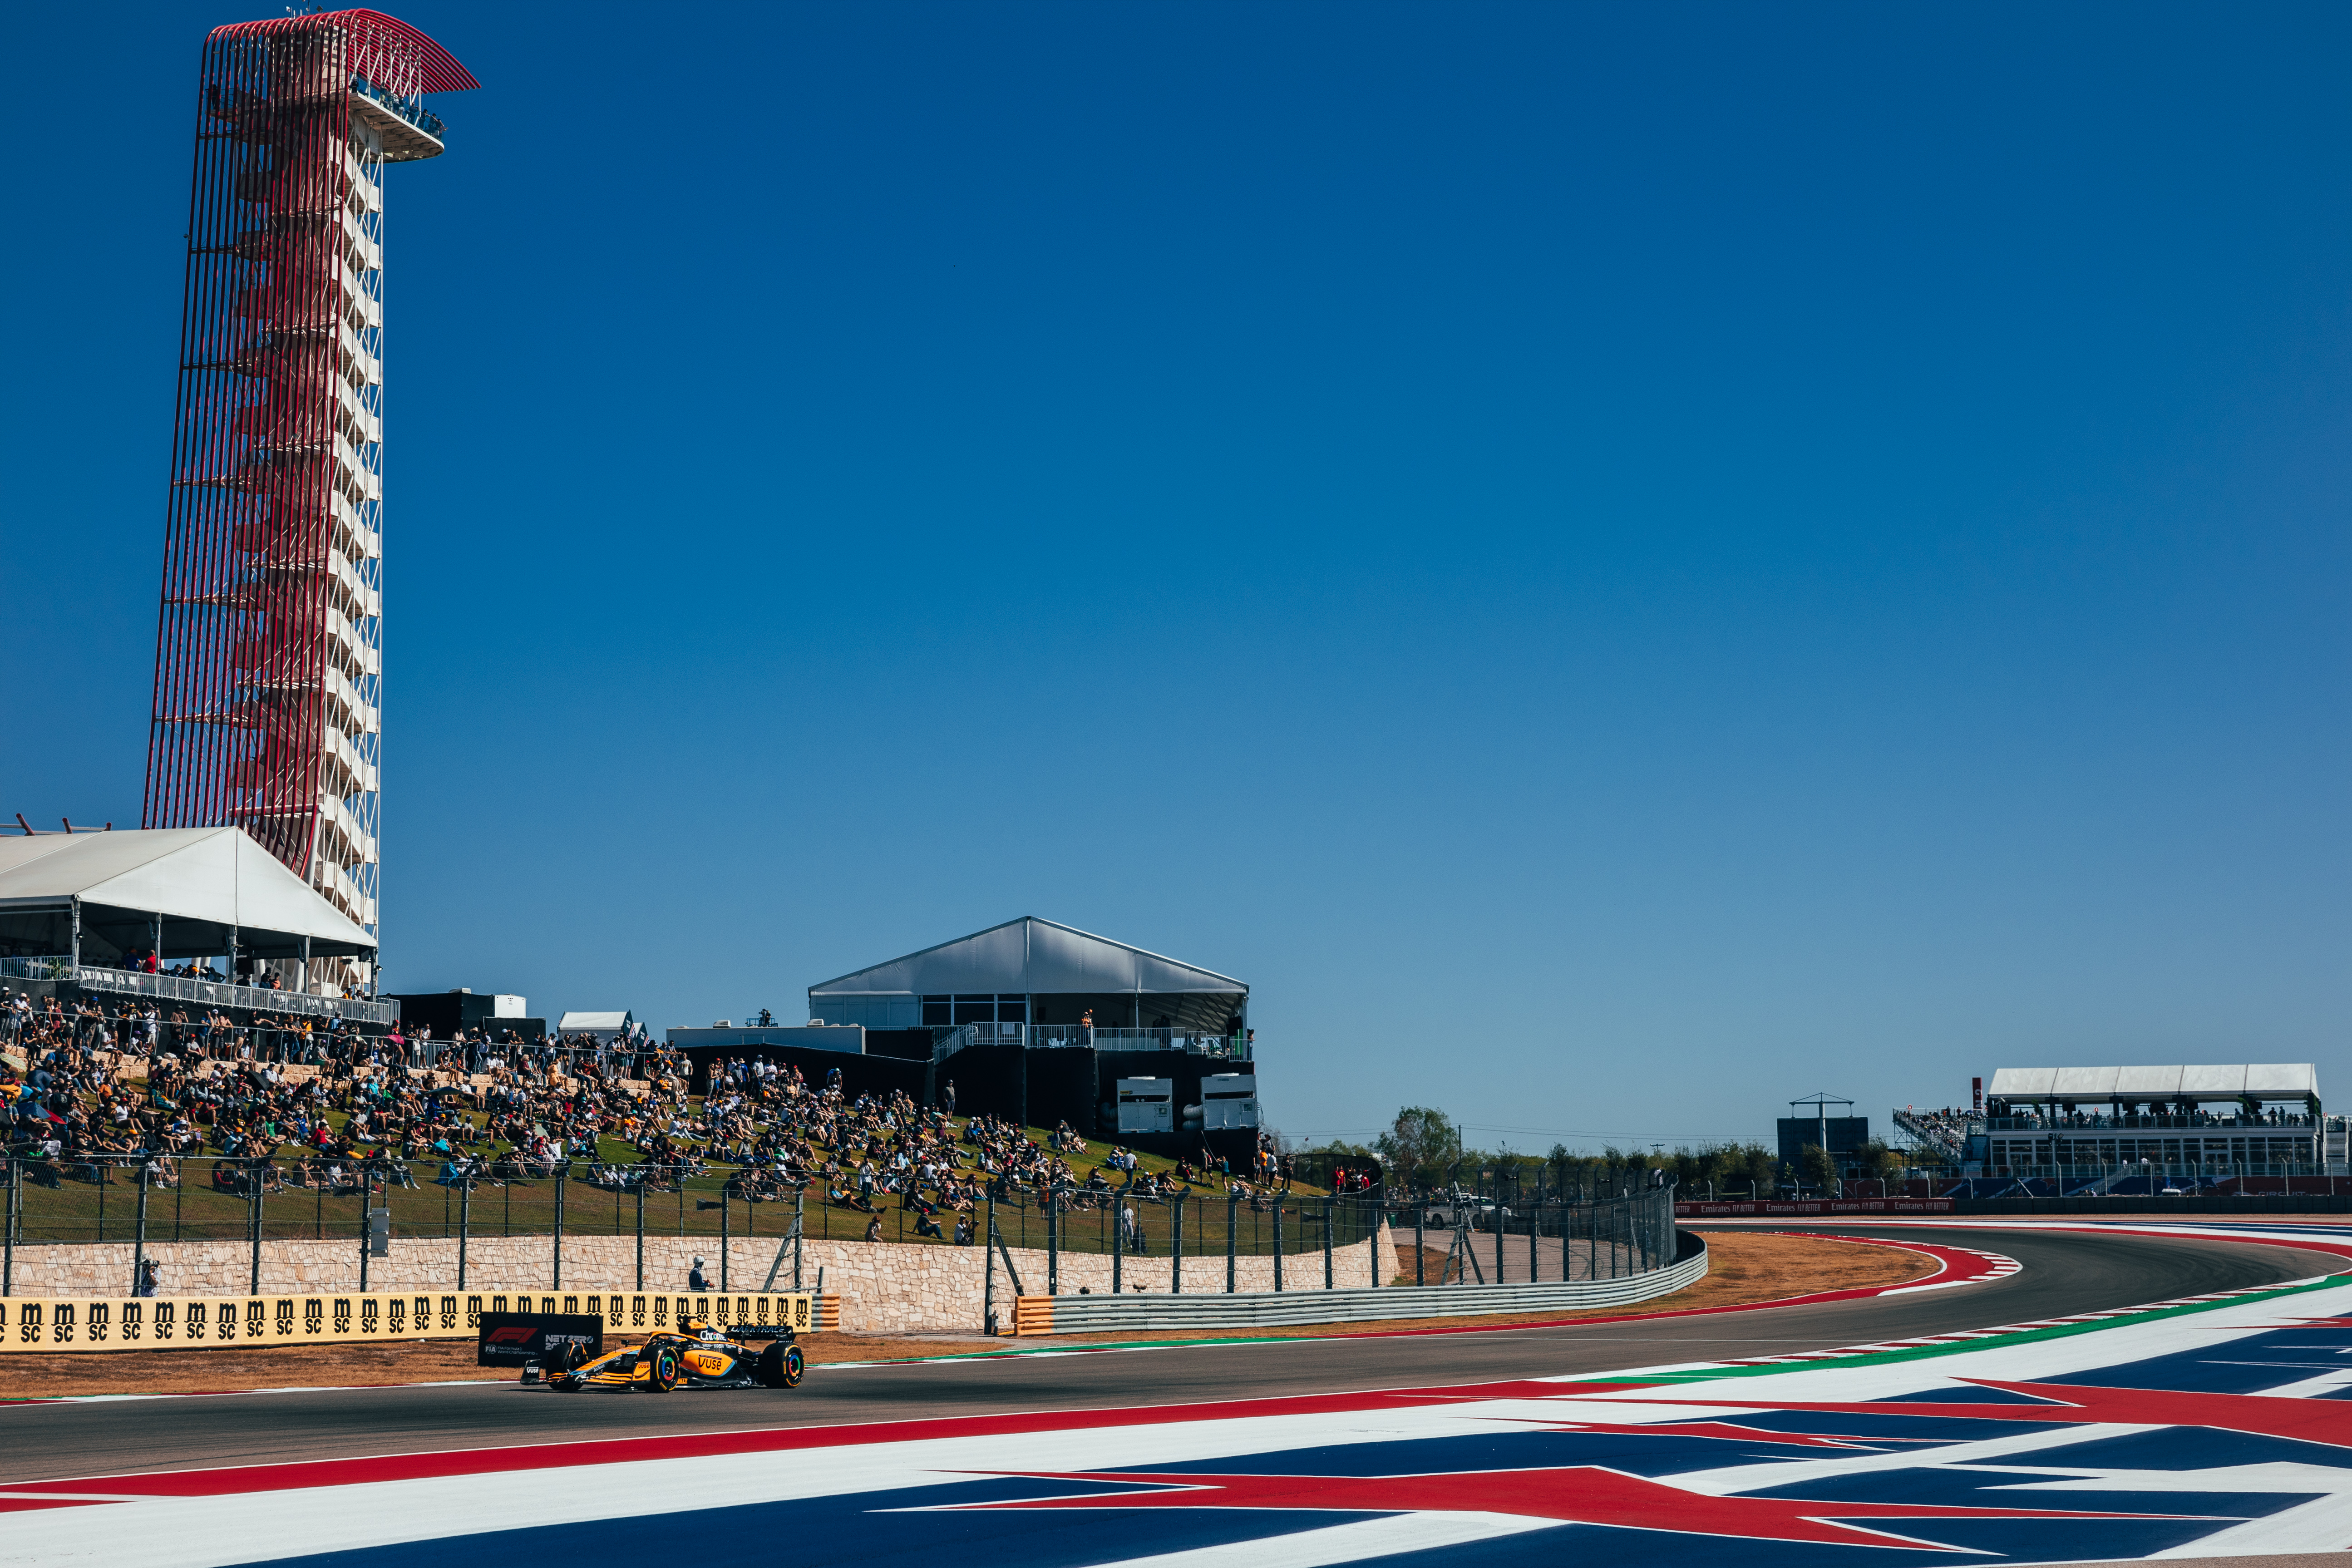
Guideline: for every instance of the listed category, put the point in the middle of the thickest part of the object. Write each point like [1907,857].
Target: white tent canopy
[1029,956]
[606,1027]
[2264,1080]
[199,884]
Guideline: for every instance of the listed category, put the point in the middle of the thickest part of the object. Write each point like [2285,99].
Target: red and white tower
[269,650]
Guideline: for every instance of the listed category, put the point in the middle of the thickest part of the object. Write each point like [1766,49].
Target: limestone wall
[885,1287]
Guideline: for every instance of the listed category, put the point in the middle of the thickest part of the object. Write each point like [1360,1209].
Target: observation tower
[270,646]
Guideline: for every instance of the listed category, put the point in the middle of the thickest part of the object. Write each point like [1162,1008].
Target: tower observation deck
[269,645]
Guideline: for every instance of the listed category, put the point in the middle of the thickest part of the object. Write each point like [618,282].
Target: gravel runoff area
[1746,1268]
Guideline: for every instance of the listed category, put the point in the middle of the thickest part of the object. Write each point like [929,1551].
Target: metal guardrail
[206,993]
[1103,1037]
[1084,1314]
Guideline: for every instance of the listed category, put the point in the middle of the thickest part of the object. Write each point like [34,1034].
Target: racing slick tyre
[780,1366]
[662,1376]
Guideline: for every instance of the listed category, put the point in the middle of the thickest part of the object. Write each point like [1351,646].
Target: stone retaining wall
[885,1287]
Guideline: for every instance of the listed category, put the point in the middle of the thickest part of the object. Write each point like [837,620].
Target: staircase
[1951,1143]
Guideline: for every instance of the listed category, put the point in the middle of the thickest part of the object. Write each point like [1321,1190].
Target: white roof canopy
[1029,956]
[594,1024]
[203,881]
[2264,1080]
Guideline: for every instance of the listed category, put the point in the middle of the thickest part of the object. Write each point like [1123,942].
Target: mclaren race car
[744,1355]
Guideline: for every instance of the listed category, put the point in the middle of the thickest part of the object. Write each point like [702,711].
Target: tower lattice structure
[270,649]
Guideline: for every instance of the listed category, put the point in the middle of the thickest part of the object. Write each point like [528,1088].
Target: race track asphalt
[2061,1274]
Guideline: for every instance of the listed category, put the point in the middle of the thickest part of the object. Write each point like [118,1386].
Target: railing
[2217,1170]
[412,110]
[206,993]
[1059,1037]
[2088,1121]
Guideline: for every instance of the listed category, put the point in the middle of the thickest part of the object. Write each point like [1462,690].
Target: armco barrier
[1085,1314]
[188,1323]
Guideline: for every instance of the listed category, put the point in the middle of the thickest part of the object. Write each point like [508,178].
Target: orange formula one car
[696,1356]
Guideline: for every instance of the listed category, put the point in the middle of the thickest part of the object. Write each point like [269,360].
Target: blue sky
[1620,564]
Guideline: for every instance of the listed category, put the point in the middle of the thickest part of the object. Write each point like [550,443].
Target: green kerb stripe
[1991,1342]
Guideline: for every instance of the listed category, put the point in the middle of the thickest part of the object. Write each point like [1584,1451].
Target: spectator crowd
[298,1103]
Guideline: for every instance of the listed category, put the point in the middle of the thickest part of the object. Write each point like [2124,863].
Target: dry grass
[1746,1268]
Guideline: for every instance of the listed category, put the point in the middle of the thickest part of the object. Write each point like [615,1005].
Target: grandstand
[2078,1131]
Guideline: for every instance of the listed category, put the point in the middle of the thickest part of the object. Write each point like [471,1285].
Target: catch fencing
[1084,1314]
[297,1196]
[1464,1237]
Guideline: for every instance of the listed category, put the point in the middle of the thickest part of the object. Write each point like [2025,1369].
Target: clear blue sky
[1620,564]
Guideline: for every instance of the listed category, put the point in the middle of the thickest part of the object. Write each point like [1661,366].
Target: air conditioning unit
[1229,1100]
[1146,1105]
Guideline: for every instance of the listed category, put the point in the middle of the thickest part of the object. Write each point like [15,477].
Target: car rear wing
[523,1339]
[760,1330]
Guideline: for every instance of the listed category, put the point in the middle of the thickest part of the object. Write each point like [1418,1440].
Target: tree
[1815,1166]
[1879,1162]
[1419,1145]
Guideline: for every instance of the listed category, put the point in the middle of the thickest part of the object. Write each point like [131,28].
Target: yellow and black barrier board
[187,1323]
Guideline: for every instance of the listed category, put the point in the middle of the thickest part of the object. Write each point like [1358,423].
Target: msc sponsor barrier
[1777,1207]
[1081,1314]
[190,1322]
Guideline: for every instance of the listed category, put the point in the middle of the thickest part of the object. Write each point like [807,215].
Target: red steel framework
[268,662]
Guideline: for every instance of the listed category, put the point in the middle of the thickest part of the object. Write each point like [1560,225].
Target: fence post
[560,1170]
[988,1280]
[726,1218]
[1535,1224]
[1052,1240]
[1233,1226]
[8,1246]
[641,1240]
[253,1173]
[465,1220]
[1420,1266]
[1117,1239]
[1176,1244]
[1328,1215]
[800,1227]
[1277,1243]
[139,1235]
